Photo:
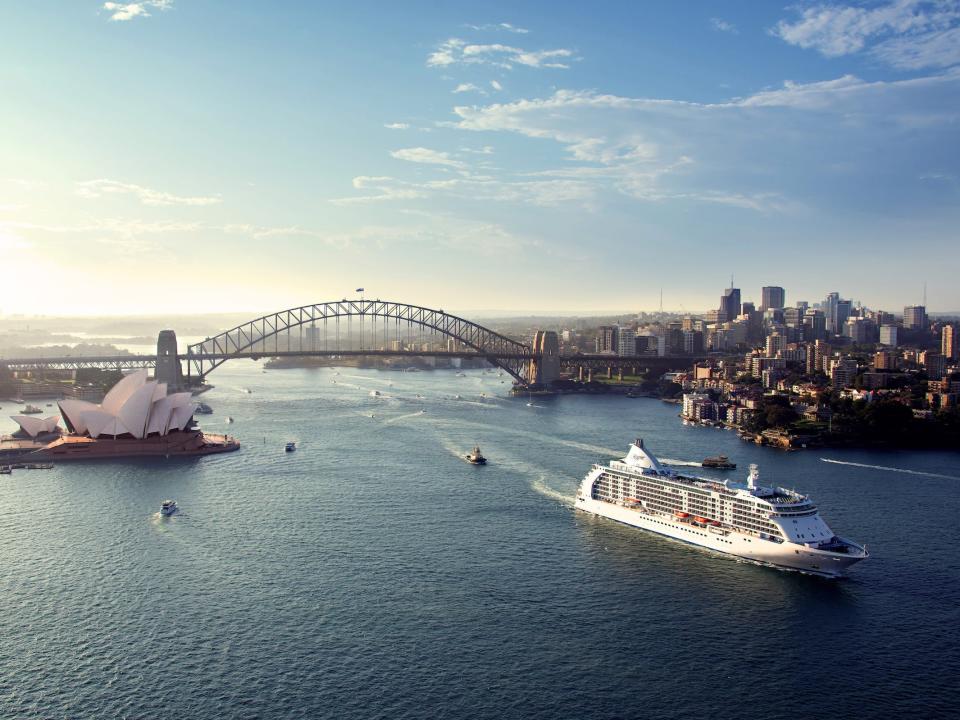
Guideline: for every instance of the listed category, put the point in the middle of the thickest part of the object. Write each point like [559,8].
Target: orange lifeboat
[701,520]
[681,515]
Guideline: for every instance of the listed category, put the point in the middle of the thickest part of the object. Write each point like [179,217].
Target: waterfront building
[772,297]
[914,317]
[690,401]
[888,335]
[948,342]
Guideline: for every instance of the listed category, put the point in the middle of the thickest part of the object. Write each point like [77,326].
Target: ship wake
[884,468]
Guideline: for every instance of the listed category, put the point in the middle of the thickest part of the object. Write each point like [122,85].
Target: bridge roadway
[569,363]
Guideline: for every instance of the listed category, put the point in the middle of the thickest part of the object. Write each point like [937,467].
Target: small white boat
[168,508]
[229,420]
[374,393]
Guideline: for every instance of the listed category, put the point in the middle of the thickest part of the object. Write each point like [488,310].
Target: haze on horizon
[176,156]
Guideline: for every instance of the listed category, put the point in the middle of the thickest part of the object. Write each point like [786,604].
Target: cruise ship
[766,525]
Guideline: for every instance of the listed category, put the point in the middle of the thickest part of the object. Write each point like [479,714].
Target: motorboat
[203,409]
[291,446]
[229,420]
[168,508]
[475,457]
[31,410]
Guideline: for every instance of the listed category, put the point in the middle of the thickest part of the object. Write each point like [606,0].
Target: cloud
[500,26]
[457,51]
[122,12]
[384,188]
[426,156]
[496,85]
[467,87]
[909,34]
[723,26]
[733,153]
[397,126]
[98,188]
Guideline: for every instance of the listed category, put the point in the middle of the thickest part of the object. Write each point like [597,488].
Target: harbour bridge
[363,328]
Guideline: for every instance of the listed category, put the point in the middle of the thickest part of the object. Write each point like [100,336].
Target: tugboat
[168,508]
[291,446]
[720,462]
[476,457]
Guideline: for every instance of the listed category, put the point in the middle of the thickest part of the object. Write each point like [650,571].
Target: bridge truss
[356,327]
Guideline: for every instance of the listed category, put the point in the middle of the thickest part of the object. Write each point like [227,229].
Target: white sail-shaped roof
[101,423]
[133,406]
[34,426]
[183,409]
[136,409]
[72,411]
[159,421]
[122,391]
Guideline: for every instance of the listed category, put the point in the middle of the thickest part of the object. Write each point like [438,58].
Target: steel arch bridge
[275,334]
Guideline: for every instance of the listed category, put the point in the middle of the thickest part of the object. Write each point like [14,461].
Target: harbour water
[372,573]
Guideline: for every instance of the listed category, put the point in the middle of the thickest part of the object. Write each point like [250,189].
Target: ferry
[720,462]
[31,410]
[168,508]
[766,525]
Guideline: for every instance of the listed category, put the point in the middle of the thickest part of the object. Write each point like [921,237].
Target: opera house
[137,417]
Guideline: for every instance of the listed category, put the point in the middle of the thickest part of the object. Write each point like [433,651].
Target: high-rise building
[914,317]
[888,335]
[948,342]
[772,297]
[814,325]
[729,305]
[843,313]
[793,317]
[885,360]
[934,363]
[626,342]
[606,339]
[829,307]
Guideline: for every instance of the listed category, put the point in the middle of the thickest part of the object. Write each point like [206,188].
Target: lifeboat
[701,520]
[681,515]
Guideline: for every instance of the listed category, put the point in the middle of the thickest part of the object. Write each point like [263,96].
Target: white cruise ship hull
[785,555]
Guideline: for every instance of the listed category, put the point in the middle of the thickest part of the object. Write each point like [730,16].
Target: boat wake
[890,469]
[683,463]
[539,485]
[398,418]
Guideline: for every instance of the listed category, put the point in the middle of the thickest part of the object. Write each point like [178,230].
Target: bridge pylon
[168,368]
[545,363]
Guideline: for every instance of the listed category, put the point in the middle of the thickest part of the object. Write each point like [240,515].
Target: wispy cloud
[467,87]
[496,85]
[426,156]
[724,26]
[500,26]
[397,126]
[457,51]
[123,11]
[910,34]
[99,188]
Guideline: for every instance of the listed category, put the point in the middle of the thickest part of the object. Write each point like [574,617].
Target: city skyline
[216,157]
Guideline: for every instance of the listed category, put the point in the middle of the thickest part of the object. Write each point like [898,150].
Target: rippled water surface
[374,574]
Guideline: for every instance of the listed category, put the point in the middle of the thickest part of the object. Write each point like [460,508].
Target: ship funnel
[753,476]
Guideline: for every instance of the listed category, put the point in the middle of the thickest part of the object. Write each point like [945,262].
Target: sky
[201,156]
